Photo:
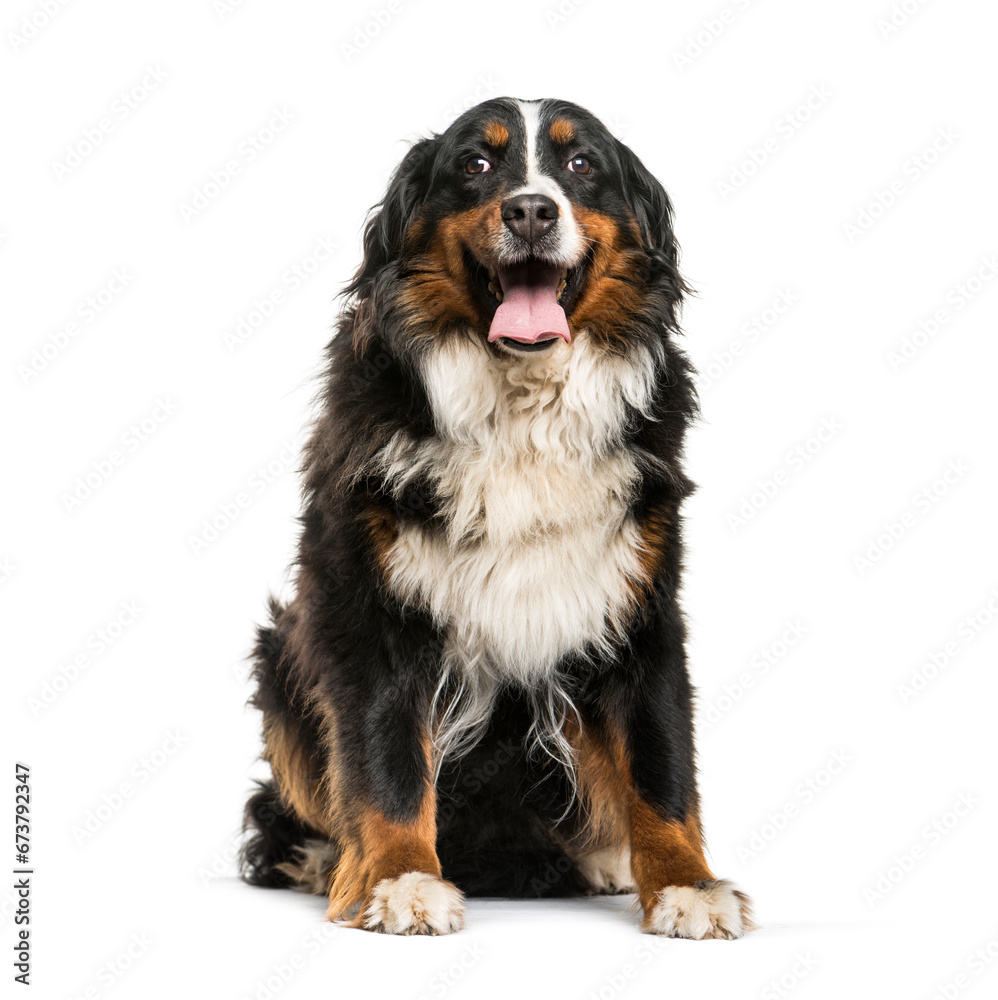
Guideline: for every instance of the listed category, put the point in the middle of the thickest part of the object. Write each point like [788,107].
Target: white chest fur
[536,554]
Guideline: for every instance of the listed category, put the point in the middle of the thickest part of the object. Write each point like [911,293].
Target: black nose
[530,216]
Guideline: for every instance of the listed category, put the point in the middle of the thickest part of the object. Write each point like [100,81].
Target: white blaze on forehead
[531,112]
[570,244]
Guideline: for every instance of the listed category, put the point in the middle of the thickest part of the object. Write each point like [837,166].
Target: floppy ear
[392,217]
[651,206]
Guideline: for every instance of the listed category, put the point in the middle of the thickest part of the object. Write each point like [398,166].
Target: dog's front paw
[709,909]
[415,903]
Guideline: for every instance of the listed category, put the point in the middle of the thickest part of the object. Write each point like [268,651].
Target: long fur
[481,676]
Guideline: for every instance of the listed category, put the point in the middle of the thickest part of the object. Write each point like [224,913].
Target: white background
[134,888]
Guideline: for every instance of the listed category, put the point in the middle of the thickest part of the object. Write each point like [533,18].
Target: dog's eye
[477,165]
[580,165]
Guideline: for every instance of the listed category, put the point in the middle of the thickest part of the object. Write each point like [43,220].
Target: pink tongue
[529,310]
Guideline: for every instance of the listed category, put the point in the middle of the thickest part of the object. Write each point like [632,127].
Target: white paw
[415,903]
[705,910]
[608,870]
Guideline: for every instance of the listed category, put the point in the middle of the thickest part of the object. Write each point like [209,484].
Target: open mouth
[530,303]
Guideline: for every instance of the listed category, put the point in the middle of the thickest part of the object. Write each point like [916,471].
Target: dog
[480,685]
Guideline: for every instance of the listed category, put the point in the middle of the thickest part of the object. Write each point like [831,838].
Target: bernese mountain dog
[480,685]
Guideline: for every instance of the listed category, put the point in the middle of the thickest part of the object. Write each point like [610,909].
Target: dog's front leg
[385,804]
[679,894]
[638,773]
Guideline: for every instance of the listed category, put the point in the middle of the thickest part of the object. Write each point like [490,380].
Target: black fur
[503,814]
[274,835]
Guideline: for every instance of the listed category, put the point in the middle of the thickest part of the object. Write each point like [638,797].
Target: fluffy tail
[275,841]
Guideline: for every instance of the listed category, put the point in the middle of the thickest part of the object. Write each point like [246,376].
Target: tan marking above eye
[561,131]
[496,134]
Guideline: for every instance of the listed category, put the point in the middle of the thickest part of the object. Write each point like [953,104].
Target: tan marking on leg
[299,779]
[603,791]
[664,852]
[375,848]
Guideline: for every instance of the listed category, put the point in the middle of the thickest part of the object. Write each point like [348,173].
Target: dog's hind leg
[289,839]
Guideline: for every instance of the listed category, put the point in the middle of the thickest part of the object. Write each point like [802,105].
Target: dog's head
[525,221]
